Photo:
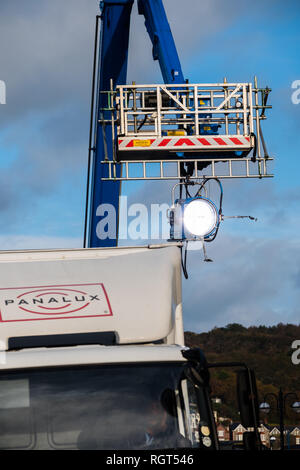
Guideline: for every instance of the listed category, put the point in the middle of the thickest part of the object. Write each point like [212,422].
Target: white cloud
[47,58]
[250,282]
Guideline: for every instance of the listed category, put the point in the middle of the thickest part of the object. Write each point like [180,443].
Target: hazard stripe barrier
[185,142]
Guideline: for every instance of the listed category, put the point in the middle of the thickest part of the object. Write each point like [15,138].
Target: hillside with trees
[265,349]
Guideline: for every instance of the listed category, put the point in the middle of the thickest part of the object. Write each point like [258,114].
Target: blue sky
[46,51]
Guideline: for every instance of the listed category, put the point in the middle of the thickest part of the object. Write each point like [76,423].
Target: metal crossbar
[219,168]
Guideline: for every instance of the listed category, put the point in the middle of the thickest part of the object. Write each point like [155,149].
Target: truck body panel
[134,292]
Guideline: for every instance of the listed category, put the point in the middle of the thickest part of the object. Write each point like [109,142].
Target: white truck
[93,356]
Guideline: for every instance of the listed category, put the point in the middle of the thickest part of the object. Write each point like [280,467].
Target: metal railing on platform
[174,170]
[214,129]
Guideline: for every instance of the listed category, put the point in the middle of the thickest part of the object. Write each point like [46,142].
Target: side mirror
[248,398]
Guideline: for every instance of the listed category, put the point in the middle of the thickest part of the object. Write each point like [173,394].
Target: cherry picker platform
[194,124]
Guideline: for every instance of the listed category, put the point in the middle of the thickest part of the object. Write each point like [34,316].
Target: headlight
[200,217]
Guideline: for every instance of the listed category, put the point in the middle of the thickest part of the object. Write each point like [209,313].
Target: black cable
[253,158]
[265,100]
[143,122]
[187,193]
[208,240]
[221,191]
[212,238]
[188,171]
[184,262]
[91,131]
[263,142]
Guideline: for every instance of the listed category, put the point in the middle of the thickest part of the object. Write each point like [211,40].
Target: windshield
[104,407]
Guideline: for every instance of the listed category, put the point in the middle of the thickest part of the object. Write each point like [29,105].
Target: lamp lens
[200,217]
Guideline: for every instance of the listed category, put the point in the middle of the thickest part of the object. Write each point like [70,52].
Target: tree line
[266,349]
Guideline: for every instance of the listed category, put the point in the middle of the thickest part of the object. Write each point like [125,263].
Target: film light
[193,219]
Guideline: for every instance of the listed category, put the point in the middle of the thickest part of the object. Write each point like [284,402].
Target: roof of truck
[134,292]
[55,253]
[80,355]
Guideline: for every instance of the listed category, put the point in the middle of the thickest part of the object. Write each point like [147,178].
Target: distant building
[296,433]
[236,432]
[223,432]
[264,433]
[269,435]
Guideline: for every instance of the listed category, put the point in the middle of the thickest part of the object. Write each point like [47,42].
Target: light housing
[193,219]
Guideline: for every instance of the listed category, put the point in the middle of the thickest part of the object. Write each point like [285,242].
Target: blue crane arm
[103,196]
[164,49]
[112,66]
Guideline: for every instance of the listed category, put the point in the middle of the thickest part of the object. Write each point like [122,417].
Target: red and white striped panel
[186,143]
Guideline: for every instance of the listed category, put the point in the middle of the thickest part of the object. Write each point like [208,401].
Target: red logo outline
[62,287]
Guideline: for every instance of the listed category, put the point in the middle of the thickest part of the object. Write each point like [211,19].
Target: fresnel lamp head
[196,218]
